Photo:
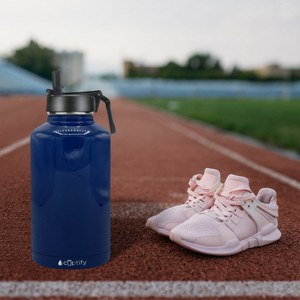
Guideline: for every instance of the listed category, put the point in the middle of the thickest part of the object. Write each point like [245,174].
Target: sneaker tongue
[234,181]
[209,178]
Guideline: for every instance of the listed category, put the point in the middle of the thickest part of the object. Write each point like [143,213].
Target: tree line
[41,60]
[203,66]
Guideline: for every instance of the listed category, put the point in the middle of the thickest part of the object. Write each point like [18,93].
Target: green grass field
[276,123]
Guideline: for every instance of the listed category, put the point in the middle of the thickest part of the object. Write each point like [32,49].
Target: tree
[239,74]
[170,71]
[35,58]
[203,62]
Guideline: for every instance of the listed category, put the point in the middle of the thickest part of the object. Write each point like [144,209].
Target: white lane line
[182,289]
[234,155]
[14,146]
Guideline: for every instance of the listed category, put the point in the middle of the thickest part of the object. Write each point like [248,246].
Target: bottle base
[71,263]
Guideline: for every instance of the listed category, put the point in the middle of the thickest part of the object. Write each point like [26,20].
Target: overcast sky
[248,33]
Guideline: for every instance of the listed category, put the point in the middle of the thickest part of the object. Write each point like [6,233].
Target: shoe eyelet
[248,205]
[252,201]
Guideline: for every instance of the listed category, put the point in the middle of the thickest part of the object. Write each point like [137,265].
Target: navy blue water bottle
[70,182]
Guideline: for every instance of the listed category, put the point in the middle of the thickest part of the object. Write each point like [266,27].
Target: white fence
[149,88]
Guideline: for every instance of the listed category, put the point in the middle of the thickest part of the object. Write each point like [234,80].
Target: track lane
[149,164]
[19,115]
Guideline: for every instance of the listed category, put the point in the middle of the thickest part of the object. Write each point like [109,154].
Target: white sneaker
[238,220]
[201,192]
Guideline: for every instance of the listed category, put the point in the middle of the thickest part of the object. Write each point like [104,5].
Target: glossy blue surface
[70,193]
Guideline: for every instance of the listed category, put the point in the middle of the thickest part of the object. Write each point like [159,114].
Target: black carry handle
[109,114]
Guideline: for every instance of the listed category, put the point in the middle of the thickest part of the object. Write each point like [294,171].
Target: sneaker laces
[227,203]
[195,198]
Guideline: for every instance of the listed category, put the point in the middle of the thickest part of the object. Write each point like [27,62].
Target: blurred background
[205,59]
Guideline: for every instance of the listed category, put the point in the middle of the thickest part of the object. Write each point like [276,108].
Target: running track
[153,157]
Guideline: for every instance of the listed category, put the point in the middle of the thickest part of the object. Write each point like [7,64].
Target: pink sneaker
[238,220]
[201,192]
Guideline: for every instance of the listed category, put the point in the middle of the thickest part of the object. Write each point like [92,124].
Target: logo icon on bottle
[72,263]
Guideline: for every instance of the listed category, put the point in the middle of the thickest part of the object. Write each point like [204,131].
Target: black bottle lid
[75,103]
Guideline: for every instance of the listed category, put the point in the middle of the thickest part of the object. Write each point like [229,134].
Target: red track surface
[150,163]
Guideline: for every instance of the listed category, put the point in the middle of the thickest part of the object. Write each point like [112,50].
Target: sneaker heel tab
[267,196]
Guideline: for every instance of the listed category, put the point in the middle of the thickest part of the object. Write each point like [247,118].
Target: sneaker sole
[150,224]
[267,235]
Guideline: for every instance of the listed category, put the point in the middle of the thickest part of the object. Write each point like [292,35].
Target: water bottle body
[70,193]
